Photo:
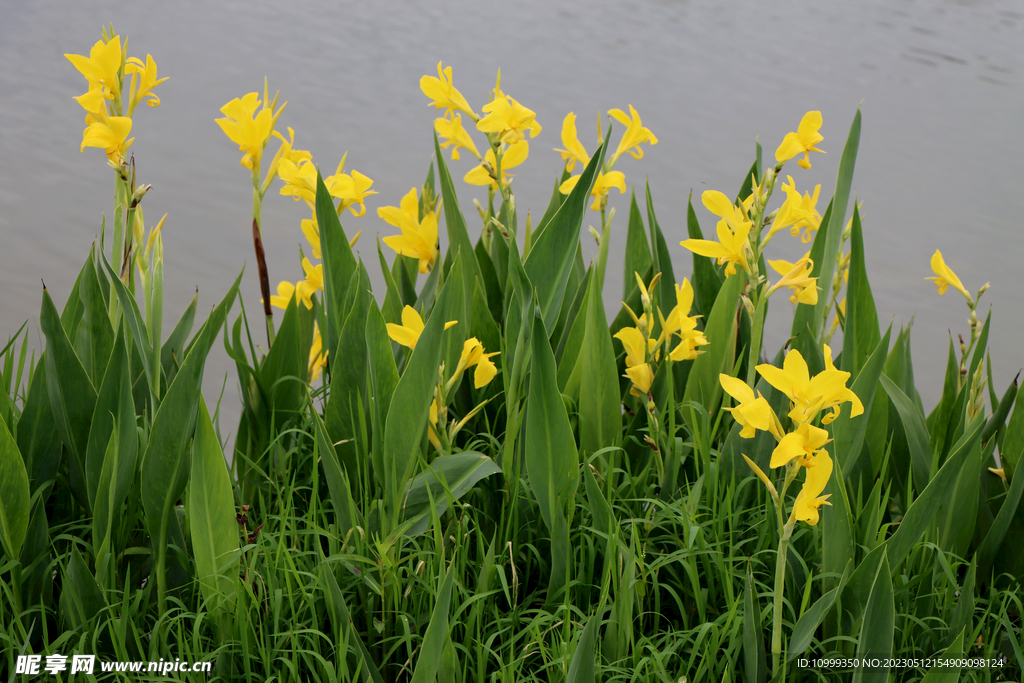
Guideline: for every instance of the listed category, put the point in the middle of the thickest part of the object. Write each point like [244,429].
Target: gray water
[940,162]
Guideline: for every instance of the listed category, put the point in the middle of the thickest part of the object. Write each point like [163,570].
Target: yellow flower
[637,350]
[945,277]
[301,291]
[514,155]
[317,356]
[144,79]
[109,133]
[574,150]
[408,333]
[432,416]
[680,322]
[455,136]
[796,276]
[314,277]
[247,128]
[805,507]
[311,229]
[803,443]
[635,134]
[810,396]
[300,183]
[101,67]
[796,212]
[473,354]
[642,377]
[751,413]
[733,229]
[287,152]
[418,238]
[443,94]
[802,141]
[507,119]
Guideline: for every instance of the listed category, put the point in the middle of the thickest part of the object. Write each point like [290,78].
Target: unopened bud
[596,234]
[140,192]
[480,209]
[963,346]
[748,305]
[984,288]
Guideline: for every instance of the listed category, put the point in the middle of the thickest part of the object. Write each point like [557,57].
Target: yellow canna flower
[945,277]
[455,136]
[443,94]
[751,413]
[733,229]
[408,333]
[604,183]
[109,133]
[287,152]
[507,119]
[574,150]
[680,322]
[635,134]
[803,443]
[314,277]
[248,128]
[144,79]
[637,350]
[796,276]
[311,229]
[642,377]
[418,238]
[802,141]
[473,354]
[796,212]
[317,356]
[805,507]
[514,155]
[101,67]
[301,291]
[810,396]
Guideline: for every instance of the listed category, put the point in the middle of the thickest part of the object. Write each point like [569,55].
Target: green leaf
[861,331]
[383,380]
[81,598]
[445,479]
[662,258]
[38,441]
[921,512]
[410,405]
[581,666]
[803,631]
[707,277]
[455,222]
[915,429]
[392,307]
[837,540]
[214,529]
[703,386]
[133,316]
[754,662]
[638,251]
[938,420]
[14,495]
[551,458]
[963,614]
[437,632]
[600,413]
[172,353]
[876,632]
[849,432]
[95,337]
[339,263]
[1008,511]
[944,674]
[551,259]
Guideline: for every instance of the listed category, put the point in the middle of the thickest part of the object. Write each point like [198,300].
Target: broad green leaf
[552,462]
[114,403]
[803,631]
[337,482]
[947,674]
[410,405]
[915,429]
[570,346]
[455,309]
[38,441]
[429,658]
[849,432]
[1008,511]
[600,413]
[963,614]
[938,419]
[133,316]
[392,307]
[876,632]
[283,371]
[861,331]
[383,380]
[458,235]
[837,540]
[557,198]
[339,263]
[961,508]
[920,514]
[214,530]
[448,478]
[551,258]
[707,277]
[1001,409]
[662,259]
[581,666]
[704,386]
[14,495]
[95,337]
[172,353]
[81,598]
[754,662]
[638,251]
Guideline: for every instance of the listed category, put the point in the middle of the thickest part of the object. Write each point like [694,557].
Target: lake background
[940,161]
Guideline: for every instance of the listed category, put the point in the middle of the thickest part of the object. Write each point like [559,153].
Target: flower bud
[140,192]
[747,304]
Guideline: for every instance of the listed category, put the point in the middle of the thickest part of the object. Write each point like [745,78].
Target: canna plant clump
[478,472]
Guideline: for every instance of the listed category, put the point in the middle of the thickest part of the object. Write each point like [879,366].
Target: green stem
[756,334]
[602,258]
[780,584]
